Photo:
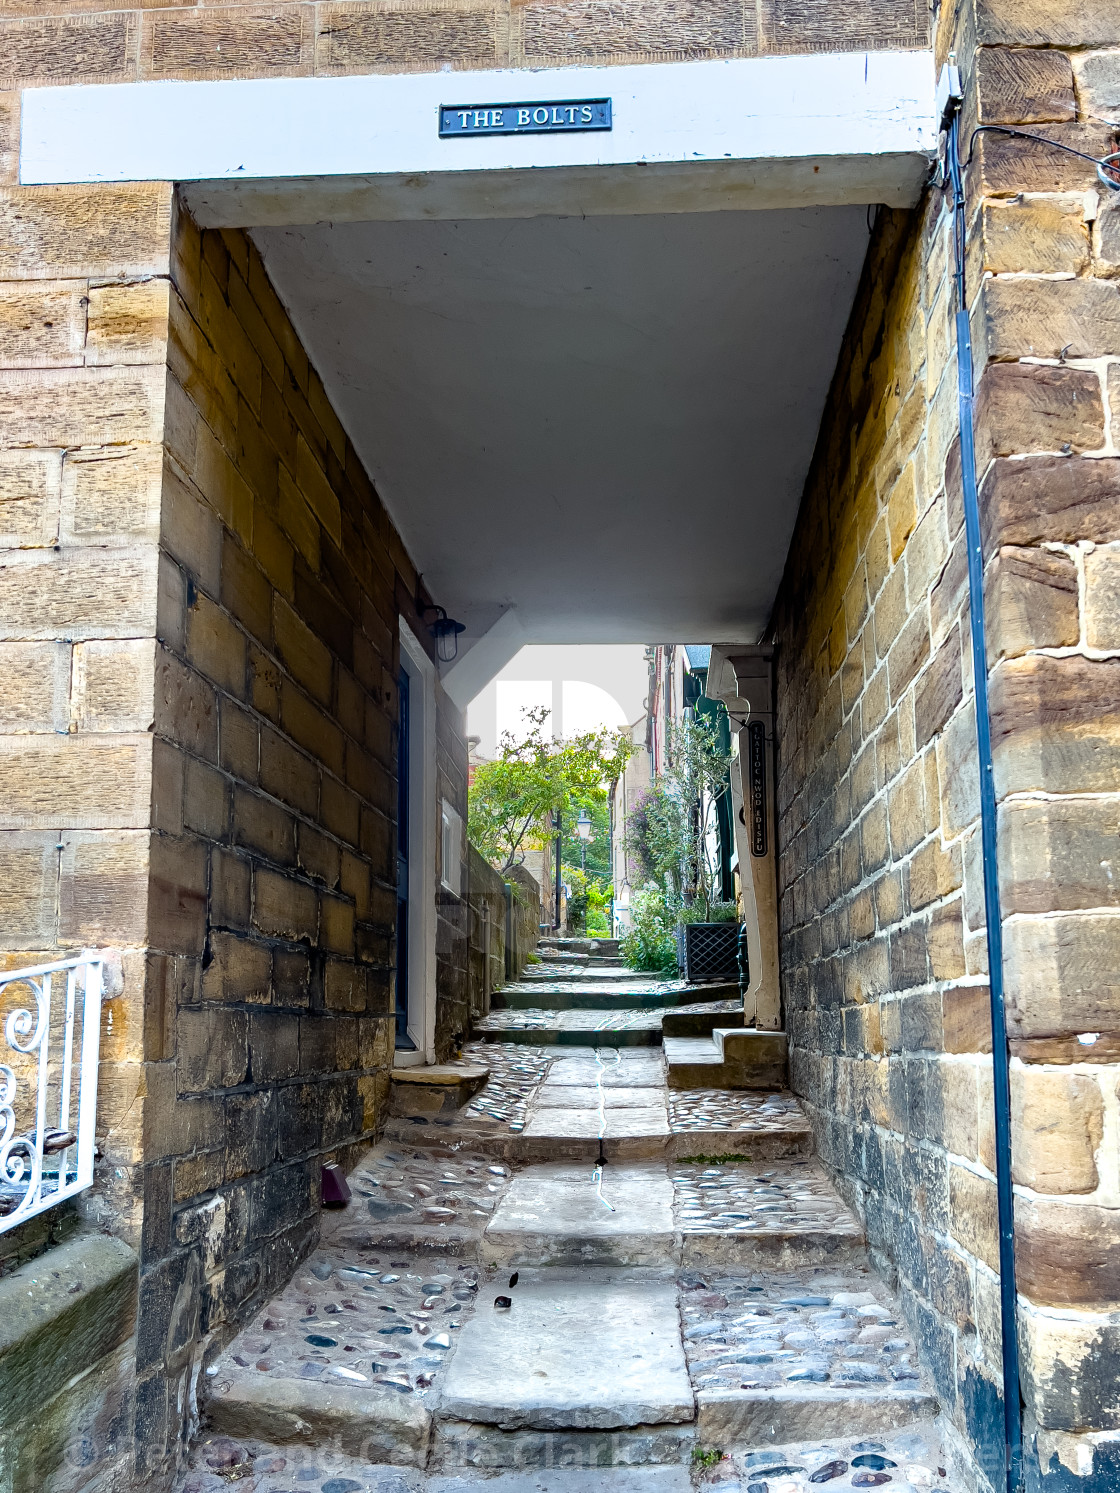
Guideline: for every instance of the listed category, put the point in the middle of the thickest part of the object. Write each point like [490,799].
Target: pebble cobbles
[765,1330]
[732,1109]
[795,1196]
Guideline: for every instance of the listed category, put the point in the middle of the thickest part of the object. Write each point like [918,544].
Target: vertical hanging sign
[756,773]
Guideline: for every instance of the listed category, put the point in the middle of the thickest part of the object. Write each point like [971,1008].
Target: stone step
[733,1058]
[640,1215]
[568,1028]
[373,1425]
[629,1455]
[583,996]
[436,1089]
[752,1124]
[613,1104]
[700,1023]
[560,1214]
[591,972]
[779,1356]
[760,1417]
[762,1215]
[587,1350]
[606,948]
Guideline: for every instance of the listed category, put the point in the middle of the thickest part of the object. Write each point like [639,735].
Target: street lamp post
[583,830]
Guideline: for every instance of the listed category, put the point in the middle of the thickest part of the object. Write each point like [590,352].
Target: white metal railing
[48,1084]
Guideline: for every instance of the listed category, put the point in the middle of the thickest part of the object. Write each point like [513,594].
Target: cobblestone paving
[516,1069]
[380,1305]
[728,1109]
[911,1460]
[764,1329]
[378,1315]
[595,1021]
[738,1199]
[220,1462]
[372,1320]
[422,1187]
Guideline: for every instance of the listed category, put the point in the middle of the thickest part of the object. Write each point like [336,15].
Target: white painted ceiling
[603,422]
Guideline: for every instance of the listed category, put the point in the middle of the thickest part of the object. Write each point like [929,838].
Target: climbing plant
[670,831]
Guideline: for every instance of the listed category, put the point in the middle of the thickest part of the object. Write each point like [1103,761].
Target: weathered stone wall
[526,917]
[884,964]
[453,912]
[96,43]
[199,602]
[486,897]
[487,900]
[83,354]
[274,811]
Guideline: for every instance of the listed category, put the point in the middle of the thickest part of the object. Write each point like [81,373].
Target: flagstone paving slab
[651,1123]
[626,1070]
[586,1096]
[586,1351]
[553,1214]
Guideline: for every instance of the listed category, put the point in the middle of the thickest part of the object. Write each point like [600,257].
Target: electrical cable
[1001,1071]
[1104,164]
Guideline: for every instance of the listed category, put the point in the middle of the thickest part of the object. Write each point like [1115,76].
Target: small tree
[512,800]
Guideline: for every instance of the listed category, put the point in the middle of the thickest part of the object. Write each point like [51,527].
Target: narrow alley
[584,1254]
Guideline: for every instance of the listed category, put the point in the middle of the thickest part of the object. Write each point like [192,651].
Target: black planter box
[708,951]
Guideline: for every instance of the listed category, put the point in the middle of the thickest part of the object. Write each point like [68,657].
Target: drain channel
[597,1174]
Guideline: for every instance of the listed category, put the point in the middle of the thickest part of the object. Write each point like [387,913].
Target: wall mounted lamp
[446,632]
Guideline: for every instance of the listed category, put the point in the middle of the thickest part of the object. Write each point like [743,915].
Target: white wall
[570,677]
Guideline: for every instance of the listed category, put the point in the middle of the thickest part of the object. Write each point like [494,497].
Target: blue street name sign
[556,117]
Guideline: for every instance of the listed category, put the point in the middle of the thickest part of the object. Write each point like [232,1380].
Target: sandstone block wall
[884,964]
[273,806]
[84,282]
[199,602]
[84,41]
[486,898]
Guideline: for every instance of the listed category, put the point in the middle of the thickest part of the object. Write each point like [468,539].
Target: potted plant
[708,942]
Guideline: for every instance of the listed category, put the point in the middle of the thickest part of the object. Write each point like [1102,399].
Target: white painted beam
[484,660]
[834,128]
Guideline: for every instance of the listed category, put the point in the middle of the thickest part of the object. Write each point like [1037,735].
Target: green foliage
[727,1158]
[597,850]
[512,799]
[715,912]
[651,943]
[589,904]
[706,1458]
[669,832]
